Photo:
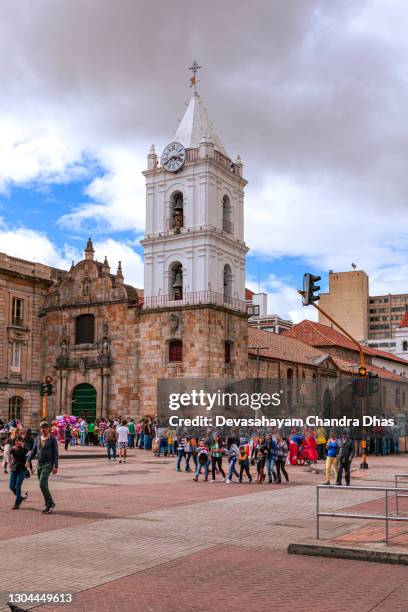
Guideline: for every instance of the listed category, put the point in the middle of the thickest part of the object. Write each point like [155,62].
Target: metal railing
[398,478]
[195,298]
[387,517]
[175,222]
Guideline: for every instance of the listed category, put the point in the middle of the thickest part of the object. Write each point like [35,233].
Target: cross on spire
[194,69]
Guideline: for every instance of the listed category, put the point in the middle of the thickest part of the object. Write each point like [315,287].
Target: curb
[94,456]
[355,554]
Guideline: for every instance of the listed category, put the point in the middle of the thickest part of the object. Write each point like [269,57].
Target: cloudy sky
[311,94]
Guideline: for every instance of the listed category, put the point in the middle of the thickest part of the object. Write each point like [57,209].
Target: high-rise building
[346,301]
[372,319]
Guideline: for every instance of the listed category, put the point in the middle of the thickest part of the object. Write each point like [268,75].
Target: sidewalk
[362,539]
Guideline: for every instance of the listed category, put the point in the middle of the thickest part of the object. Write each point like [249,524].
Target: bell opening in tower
[176,220]
[227,283]
[176,281]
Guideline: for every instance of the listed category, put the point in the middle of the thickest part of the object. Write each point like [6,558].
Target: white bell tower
[194,242]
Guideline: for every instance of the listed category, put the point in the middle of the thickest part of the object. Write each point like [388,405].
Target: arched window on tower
[176,281]
[227,225]
[227,283]
[176,220]
[405,345]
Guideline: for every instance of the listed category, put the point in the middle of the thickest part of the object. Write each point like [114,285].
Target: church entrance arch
[84,402]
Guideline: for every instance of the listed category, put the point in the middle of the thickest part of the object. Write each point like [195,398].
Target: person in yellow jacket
[321,442]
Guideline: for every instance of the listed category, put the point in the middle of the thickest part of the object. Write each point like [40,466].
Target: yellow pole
[44,401]
[346,333]
[364,464]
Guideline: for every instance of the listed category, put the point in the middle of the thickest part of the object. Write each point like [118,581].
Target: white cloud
[283,299]
[329,229]
[132,263]
[118,196]
[36,246]
[31,245]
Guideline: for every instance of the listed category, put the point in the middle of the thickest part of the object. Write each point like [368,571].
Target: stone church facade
[105,343]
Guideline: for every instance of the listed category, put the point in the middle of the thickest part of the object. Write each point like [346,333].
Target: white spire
[195,124]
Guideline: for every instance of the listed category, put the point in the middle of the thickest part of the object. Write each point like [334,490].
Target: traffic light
[373,383]
[309,288]
[362,371]
[46,387]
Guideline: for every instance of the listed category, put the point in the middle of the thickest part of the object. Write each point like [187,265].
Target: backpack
[203,458]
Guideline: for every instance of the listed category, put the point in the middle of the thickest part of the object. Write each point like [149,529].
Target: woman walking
[282,453]
[18,471]
[216,457]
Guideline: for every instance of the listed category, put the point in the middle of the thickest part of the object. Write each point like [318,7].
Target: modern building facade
[347,301]
[372,319]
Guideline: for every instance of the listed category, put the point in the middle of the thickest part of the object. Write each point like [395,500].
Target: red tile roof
[284,348]
[319,335]
[248,294]
[278,346]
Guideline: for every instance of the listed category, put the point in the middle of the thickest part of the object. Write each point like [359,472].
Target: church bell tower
[194,247]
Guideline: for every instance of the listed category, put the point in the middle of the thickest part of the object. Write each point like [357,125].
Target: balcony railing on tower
[175,222]
[195,298]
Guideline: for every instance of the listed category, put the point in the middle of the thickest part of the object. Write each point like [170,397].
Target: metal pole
[396,493]
[386,516]
[317,514]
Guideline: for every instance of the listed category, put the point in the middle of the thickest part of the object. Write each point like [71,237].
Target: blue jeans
[188,457]
[170,448]
[147,442]
[83,436]
[180,455]
[15,483]
[232,468]
[111,448]
[270,464]
[102,440]
[200,466]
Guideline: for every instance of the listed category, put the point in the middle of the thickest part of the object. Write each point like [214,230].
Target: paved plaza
[142,537]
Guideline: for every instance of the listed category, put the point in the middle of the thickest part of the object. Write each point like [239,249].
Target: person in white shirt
[122,433]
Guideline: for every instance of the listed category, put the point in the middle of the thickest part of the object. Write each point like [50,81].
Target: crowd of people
[258,457]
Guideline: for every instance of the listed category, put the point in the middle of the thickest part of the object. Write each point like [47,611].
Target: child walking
[203,461]
[232,453]
[260,460]
[243,460]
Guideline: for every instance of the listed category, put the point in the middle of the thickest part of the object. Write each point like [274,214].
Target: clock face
[173,157]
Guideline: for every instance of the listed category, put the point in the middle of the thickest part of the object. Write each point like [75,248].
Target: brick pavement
[144,529]
[231,578]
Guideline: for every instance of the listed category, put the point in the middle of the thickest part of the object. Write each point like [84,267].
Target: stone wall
[203,331]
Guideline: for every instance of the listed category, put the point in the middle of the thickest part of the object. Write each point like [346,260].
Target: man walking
[46,449]
[123,436]
[346,452]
